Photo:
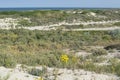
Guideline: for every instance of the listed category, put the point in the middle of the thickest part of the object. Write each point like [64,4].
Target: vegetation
[36,72]
[44,48]
[47,17]
[5,77]
[115,33]
[7,60]
[115,46]
[47,47]
[117,24]
[99,52]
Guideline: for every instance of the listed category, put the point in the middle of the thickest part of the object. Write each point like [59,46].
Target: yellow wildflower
[64,58]
[40,78]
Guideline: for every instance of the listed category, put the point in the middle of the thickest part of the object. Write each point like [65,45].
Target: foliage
[117,24]
[24,23]
[113,46]
[115,34]
[5,77]
[45,48]
[7,60]
[117,69]
[47,17]
[35,72]
[98,52]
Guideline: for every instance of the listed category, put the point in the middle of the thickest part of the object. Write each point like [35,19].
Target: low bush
[114,46]
[38,72]
[99,52]
[35,72]
[115,34]
[117,69]
[117,24]
[7,60]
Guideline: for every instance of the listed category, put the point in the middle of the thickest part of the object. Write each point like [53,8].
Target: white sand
[9,23]
[62,74]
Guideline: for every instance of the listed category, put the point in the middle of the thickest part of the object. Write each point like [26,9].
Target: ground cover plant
[45,48]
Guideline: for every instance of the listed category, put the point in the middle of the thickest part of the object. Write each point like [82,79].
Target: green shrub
[24,23]
[113,46]
[35,72]
[117,24]
[7,60]
[117,69]
[38,72]
[99,52]
[115,34]
[5,77]
[45,47]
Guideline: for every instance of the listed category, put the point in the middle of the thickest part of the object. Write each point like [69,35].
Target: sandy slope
[62,74]
[95,29]
[52,27]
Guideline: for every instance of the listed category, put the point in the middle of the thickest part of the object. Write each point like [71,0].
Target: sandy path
[85,29]
[52,27]
[94,29]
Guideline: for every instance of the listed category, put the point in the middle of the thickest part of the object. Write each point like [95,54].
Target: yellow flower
[64,58]
[74,59]
[40,78]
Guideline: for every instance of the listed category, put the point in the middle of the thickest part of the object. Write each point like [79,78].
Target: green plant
[115,34]
[7,60]
[36,72]
[5,77]
[99,52]
[117,24]
[117,69]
